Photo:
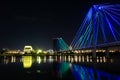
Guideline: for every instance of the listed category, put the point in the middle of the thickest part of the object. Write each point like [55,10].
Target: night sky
[37,24]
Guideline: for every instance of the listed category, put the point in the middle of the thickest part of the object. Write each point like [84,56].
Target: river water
[58,68]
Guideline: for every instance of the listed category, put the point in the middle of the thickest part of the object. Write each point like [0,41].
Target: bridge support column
[107,53]
[94,53]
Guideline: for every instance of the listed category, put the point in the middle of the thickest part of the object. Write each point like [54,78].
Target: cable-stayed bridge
[101,26]
[60,45]
[99,29]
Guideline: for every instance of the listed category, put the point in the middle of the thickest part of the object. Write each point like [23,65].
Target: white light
[38,59]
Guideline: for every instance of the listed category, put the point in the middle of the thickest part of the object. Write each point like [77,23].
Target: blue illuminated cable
[118,24]
[88,36]
[90,41]
[114,9]
[113,18]
[65,44]
[83,42]
[79,40]
[81,28]
[113,12]
[118,33]
[97,26]
[78,43]
[87,40]
[102,27]
[110,26]
[85,35]
[85,22]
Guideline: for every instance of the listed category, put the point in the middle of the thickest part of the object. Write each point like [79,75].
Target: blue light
[86,73]
[100,7]
[89,14]
[110,26]
[100,22]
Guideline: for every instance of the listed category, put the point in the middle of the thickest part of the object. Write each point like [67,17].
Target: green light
[39,51]
[64,67]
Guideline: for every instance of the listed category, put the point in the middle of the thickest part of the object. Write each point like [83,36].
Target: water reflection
[64,67]
[13,59]
[44,59]
[86,73]
[38,59]
[51,59]
[9,59]
[27,61]
[83,73]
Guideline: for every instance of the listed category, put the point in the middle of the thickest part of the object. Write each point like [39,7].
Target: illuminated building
[28,49]
[13,52]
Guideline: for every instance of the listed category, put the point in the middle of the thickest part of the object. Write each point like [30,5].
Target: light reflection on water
[85,73]
[63,67]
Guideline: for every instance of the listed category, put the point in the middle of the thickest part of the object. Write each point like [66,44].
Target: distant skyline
[38,24]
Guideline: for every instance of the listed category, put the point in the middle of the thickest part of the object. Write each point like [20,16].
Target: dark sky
[36,24]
